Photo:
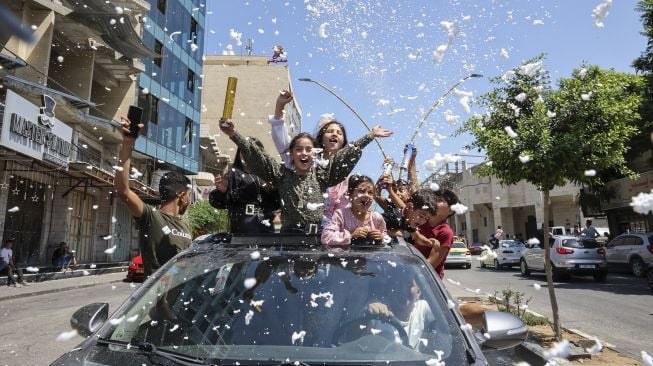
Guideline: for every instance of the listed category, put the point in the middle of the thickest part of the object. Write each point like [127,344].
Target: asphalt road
[29,326]
[619,312]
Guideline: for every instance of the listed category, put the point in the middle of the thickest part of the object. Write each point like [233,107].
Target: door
[82,226]
[25,225]
[631,243]
[613,249]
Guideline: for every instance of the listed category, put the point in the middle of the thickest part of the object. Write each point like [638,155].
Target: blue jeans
[64,261]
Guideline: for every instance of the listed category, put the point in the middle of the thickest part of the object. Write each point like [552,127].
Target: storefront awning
[38,89]
[103,179]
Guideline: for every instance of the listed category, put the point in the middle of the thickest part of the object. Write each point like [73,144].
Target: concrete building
[61,97]
[259,83]
[517,208]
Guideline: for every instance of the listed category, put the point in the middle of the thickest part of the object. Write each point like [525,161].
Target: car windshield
[511,244]
[580,243]
[273,306]
[458,244]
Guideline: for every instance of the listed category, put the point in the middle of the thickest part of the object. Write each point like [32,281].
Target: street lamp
[348,106]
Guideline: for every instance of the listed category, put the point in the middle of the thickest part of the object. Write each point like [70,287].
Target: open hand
[377,131]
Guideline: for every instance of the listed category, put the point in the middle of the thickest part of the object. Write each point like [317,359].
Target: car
[459,255]
[285,300]
[649,276]
[507,254]
[476,248]
[135,270]
[631,250]
[569,255]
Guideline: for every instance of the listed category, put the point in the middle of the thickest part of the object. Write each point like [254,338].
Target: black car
[476,248]
[286,300]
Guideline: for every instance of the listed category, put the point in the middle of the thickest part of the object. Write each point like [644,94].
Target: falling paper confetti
[537,286]
[600,12]
[511,132]
[596,348]
[586,96]
[249,282]
[524,158]
[459,208]
[110,250]
[13,209]
[255,255]
[642,203]
[434,186]
[298,336]
[322,30]
[590,173]
[108,237]
[66,336]
[558,349]
[32,269]
[314,206]
[647,359]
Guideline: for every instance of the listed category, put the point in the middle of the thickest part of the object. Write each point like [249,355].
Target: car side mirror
[505,330]
[89,318]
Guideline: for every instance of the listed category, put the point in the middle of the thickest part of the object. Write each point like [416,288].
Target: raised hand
[227,127]
[377,131]
[125,124]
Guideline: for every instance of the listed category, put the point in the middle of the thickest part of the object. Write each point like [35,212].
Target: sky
[392,60]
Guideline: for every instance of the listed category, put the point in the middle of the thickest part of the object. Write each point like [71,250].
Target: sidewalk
[57,285]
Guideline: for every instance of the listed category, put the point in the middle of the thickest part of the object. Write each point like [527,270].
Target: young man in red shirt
[433,237]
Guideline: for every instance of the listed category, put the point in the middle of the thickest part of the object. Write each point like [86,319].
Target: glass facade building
[170,88]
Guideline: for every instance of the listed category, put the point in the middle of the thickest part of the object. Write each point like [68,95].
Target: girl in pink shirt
[356,220]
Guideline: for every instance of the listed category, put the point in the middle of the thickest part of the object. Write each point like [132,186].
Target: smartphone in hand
[135,116]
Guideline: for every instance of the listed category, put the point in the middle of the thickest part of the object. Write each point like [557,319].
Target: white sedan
[459,255]
[507,254]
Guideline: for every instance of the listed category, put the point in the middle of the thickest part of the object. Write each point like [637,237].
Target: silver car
[569,255]
[631,250]
[508,254]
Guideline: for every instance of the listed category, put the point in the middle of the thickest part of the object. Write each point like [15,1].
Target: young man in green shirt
[162,232]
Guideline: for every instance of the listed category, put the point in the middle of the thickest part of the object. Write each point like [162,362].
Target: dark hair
[172,183]
[449,197]
[320,134]
[238,164]
[588,222]
[299,136]
[400,182]
[356,180]
[424,199]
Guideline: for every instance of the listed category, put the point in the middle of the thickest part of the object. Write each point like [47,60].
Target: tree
[644,64]
[548,138]
[204,219]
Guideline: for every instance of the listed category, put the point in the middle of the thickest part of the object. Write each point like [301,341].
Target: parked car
[476,248]
[135,270]
[278,300]
[508,254]
[569,255]
[459,255]
[649,276]
[631,250]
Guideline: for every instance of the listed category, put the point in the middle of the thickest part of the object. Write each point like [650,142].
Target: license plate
[454,253]
[586,266]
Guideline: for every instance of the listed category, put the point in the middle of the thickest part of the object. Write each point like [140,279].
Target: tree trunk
[548,268]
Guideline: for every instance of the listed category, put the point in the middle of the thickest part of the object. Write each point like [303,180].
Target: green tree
[551,137]
[644,64]
[204,219]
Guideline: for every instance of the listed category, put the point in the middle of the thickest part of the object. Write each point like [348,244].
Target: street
[618,312]
[31,325]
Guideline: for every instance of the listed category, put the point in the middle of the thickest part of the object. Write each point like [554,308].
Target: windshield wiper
[149,348]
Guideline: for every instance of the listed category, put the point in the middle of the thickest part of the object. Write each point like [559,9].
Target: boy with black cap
[433,237]
[162,232]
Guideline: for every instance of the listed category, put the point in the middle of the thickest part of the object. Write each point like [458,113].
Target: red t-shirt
[441,233]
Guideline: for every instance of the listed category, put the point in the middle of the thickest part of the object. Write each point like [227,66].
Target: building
[517,208]
[61,97]
[259,82]
[171,85]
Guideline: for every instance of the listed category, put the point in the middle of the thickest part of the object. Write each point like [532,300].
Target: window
[190,81]
[633,240]
[154,109]
[161,5]
[158,48]
[188,131]
[193,30]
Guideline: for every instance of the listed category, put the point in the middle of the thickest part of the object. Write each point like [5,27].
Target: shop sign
[622,190]
[34,131]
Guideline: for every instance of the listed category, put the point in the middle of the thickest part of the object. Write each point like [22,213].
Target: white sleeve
[281,139]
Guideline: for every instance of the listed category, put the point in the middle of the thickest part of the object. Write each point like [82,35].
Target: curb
[50,291]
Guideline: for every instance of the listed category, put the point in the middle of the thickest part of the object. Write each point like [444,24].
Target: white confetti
[85,273]
[537,286]
[596,348]
[166,230]
[550,114]
[13,209]
[504,54]
[511,132]
[117,168]
[325,295]
[533,241]
[32,269]
[120,10]
[434,186]
[110,250]
[248,317]
[393,264]
[116,321]
[314,206]
[590,173]
[600,12]
[298,336]
[586,96]
[454,282]
[95,207]
[476,291]
[175,327]
[521,97]
[647,359]
[642,203]
[322,30]
[255,255]
[524,158]
[582,73]
[375,331]
[60,59]
[459,208]
[132,318]
[265,222]
[66,336]
[108,237]
[249,282]
[174,34]
[434,362]
[558,350]
[466,326]
[450,304]
[531,69]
